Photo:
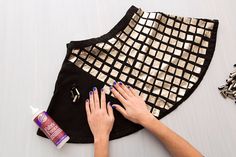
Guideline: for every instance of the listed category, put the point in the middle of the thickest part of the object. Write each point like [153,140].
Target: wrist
[98,139]
[146,120]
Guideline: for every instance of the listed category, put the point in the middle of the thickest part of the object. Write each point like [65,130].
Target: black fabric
[186,45]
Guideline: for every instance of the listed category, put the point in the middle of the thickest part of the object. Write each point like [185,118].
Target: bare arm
[100,118]
[175,144]
[135,110]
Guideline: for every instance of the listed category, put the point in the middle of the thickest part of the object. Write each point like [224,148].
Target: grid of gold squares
[159,55]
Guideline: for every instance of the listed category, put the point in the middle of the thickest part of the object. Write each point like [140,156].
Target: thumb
[120,109]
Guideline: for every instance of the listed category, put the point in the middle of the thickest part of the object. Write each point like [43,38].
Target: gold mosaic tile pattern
[159,55]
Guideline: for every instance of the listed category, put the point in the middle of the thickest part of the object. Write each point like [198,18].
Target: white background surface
[33,37]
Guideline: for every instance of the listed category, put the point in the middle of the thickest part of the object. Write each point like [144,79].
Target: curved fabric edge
[119,26]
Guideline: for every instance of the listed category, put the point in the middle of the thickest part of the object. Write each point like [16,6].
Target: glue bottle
[49,127]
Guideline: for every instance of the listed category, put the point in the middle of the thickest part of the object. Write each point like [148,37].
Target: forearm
[176,145]
[101,147]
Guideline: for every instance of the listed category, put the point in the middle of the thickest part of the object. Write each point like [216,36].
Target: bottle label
[50,128]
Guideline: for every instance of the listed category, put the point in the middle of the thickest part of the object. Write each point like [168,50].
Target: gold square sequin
[135,72]
[149,23]
[146,30]
[101,76]
[83,54]
[72,58]
[134,35]
[86,67]
[148,60]
[118,64]
[113,52]
[90,59]
[105,68]
[200,61]
[123,77]
[79,63]
[138,65]
[131,80]
[110,81]
[102,55]
[93,72]
[109,60]
[114,73]
[75,51]
[126,69]
[142,76]
[146,68]
[139,84]
[160,102]
[156,90]
[156,64]
[156,112]
[141,37]
[127,30]
[98,63]
[121,57]
[151,99]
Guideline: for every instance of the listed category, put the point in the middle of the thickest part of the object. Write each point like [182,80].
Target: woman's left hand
[99,114]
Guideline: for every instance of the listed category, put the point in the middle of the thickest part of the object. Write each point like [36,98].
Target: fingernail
[90,92]
[114,83]
[86,100]
[102,90]
[94,88]
[109,103]
[120,83]
[128,86]
[113,106]
[111,87]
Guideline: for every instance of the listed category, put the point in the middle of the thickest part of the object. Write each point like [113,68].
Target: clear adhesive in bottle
[49,127]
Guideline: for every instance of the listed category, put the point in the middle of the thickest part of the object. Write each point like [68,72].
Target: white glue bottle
[49,127]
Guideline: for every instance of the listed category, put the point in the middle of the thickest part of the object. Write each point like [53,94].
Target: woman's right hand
[135,109]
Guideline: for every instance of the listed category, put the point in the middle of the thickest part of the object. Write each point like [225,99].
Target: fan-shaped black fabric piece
[164,57]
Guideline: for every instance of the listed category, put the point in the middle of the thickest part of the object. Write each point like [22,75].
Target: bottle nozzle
[33,109]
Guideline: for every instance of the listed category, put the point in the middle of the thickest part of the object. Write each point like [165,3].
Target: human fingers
[125,88]
[120,109]
[103,99]
[96,98]
[87,108]
[132,90]
[118,95]
[120,90]
[91,101]
[110,110]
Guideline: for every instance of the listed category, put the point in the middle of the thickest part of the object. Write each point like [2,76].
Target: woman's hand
[135,109]
[100,115]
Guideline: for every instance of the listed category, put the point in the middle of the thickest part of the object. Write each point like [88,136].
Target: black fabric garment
[164,57]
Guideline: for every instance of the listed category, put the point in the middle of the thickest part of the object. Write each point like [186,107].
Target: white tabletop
[33,37]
